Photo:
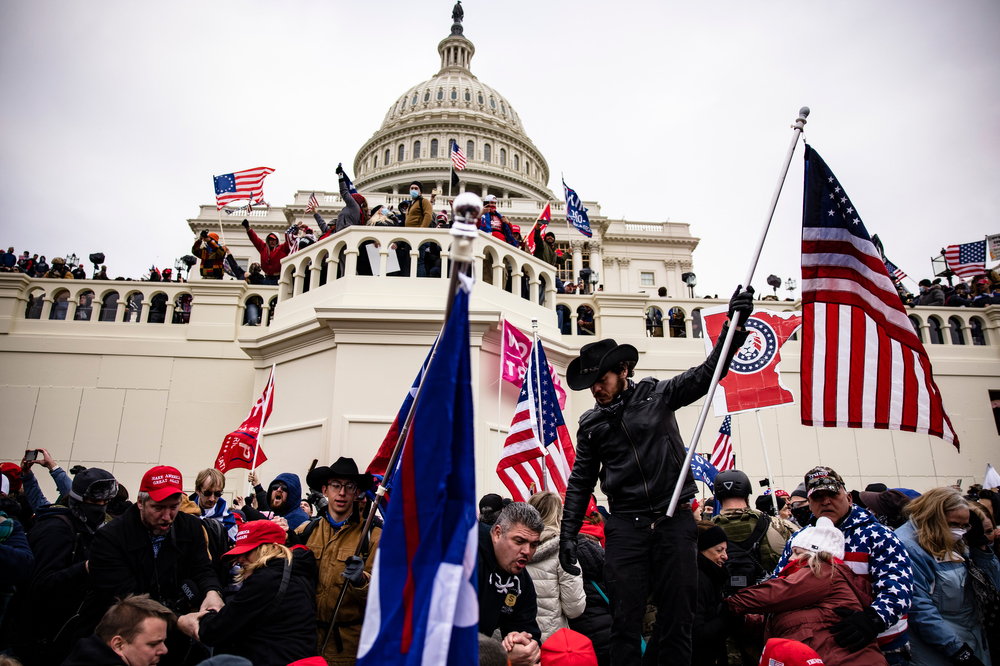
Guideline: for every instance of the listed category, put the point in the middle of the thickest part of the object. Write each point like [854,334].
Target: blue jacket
[944,614]
[292,512]
[32,491]
[16,559]
[486,226]
[872,551]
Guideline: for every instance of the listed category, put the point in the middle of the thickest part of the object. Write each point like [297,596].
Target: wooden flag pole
[797,128]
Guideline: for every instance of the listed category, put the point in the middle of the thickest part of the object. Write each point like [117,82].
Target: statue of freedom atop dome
[457,14]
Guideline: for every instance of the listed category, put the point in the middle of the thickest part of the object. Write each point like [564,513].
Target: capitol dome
[414,140]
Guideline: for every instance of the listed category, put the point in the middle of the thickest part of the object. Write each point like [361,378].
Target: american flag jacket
[872,550]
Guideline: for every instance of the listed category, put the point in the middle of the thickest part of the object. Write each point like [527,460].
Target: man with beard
[630,440]
[60,540]
[154,549]
[284,496]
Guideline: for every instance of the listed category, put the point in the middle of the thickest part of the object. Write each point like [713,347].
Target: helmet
[732,483]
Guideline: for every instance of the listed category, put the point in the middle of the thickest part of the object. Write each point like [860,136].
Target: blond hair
[549,507]
[265,553]
[814,560]
[217,479]
[928,515]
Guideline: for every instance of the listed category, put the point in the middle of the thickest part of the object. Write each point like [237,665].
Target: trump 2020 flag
[704,471]
[575,212]
[422,603]
[238,447]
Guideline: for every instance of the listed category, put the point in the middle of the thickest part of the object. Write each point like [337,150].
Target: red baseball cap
[256,533]
[568,648]
[13,473]
[785,652]
[161,482]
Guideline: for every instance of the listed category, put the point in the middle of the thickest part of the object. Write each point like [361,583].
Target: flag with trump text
[703,470]
[863,365]
[240,185]
[536,459]
[238,447]
[575,212]
[422,607]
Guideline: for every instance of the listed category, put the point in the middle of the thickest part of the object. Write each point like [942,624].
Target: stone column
[485,191]
[315,269]
[684,267]
[577,247]
[573,316]
[46,307]
[445,256]
[383,260]
[498,267]
[351,257]
[623,263]
[120,309]
[673,281]
[609,262]
[167,318]
[414,258]
[550,293]
[143,310]
[533,285]
[297,282]
[71,306]
[596,264]
[515,283]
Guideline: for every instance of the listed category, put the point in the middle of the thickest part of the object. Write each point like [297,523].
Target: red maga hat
[785,652]
[13,473]
[161,482]
[256,533]
[568,648]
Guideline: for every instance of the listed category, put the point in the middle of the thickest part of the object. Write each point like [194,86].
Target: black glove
[355,571]
[732,621]
[340,170]
[741,305]
[567,556]
[246,224]
[976,536]
[857,629]
[204,234]
[965,657]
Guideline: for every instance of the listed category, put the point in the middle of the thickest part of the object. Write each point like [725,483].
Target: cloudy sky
[114,115]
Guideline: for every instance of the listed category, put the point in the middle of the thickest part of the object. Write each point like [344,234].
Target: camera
[204,234]
[764,482]
[32,456]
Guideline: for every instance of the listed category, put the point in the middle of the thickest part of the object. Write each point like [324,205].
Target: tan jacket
[420,213]
[331,551]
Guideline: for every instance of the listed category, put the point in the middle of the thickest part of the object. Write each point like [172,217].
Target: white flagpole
[767,462]
[797,127]
[503,341]
[269,397]
[538,399]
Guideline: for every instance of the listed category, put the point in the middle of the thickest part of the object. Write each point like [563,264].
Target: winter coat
[292,511]
[497,226]
[542,249]
[708,630]
[595,621]
[16,559]
[874,552]
[36,498]
[212,255]
[739,524]
[933,296]
[803,606]
[270,260]
[92,651]
[496,587]
[944,614]
[638,452]
[251,626]
[419,214]
[332,548]
[560,595]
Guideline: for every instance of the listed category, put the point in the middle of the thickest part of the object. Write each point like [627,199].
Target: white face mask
[414,194]
[957,533]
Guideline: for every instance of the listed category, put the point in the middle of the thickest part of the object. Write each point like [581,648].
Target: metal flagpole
[503,341]
[767,462]
[260,433]
[797,128]
[538,399]
[465,217]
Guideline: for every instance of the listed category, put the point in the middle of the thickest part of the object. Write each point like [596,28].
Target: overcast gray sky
[115,115]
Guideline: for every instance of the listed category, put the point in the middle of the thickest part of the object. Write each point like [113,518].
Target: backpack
[744,568]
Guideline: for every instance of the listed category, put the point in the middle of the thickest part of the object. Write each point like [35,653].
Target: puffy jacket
[933,296]
[595,621]
[944,614]
[292,511]
[803,604]
[249,625]
[708,630]
[637,453]
[560,595]
[873,552]
[270,260]
[16,559]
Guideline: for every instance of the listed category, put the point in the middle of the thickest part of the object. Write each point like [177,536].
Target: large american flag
[967,259]
[457,157]
[862,364]
[722,453]
[241,185]
[520,466]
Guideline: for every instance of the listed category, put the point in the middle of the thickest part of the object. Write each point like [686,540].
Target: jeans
[660,562]
[271,280]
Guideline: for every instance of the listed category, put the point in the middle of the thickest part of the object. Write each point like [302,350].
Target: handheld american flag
[520,468]
[722,453]
[967,259]
[241,185]
[862,364]
[313,204]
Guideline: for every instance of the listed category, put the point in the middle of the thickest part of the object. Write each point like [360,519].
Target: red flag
[545,218]
[516,348]
[238,447]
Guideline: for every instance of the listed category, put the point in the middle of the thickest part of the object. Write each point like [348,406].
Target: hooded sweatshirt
[270,260]
[291,512]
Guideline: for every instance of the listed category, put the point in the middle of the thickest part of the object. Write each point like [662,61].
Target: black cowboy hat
[596,359]
[344,468]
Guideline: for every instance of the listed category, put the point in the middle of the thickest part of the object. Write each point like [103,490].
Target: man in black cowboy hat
[330,536]
[630,441]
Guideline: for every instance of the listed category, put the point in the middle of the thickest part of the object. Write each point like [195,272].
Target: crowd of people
[979,292]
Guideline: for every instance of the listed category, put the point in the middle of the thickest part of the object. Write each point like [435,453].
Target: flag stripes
[239,185]
[313,204]
[966,259]
[457,157]
[722,452]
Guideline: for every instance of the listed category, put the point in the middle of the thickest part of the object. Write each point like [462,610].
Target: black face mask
[94,513]
[802,515]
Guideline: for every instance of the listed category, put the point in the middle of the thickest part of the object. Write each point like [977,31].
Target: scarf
[6,527]
[363,205]
[612,407]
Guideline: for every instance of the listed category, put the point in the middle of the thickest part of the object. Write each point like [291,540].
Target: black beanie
[418,184]
[711,537]
[491,501]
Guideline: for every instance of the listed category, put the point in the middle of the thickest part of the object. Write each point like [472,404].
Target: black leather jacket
[637,452]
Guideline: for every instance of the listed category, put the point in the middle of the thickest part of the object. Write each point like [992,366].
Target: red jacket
[803,609]
[270,260]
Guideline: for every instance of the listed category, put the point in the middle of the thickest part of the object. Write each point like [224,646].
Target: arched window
[527,167]
[60,306]
[416,150]
[696,329]
[480,98]
[585,320]
[35,301]
[182,308]
[516,163]
[375,162]
[503,157]
[414,102]
[470,150]
[109,306]
[565,320]
[427,96]
[386,161]
[493,103]
[468,96]
[916,327]
[503,109]
[957,337]
[133,307]
[454,94]
[935,327]
[157,309]
[978,331]
[85,308]
[486,152]
[272,306]
[434,147]
[676,325]
[400,158]
[654,322]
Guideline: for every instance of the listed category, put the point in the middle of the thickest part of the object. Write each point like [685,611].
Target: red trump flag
[239,446]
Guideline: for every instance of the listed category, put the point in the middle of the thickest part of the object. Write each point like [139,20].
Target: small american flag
[520,468]
[722,453]
[967,259]
[894,271]
[241,185]
[313,205]
[457,157]
[862,364]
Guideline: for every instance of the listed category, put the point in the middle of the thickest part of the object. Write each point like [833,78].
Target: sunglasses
[211,493]
[277,486]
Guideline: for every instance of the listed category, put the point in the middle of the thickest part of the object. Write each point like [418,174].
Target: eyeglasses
[210,493]
[337,487]
[957,526]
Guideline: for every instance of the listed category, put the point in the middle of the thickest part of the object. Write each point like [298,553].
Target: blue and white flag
[347,181]
[422,603]
[575,212]
[704,471]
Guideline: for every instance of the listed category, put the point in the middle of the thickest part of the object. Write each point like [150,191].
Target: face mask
[801,514]
[10,506]
[414,194]
[94,513]
[956,533]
